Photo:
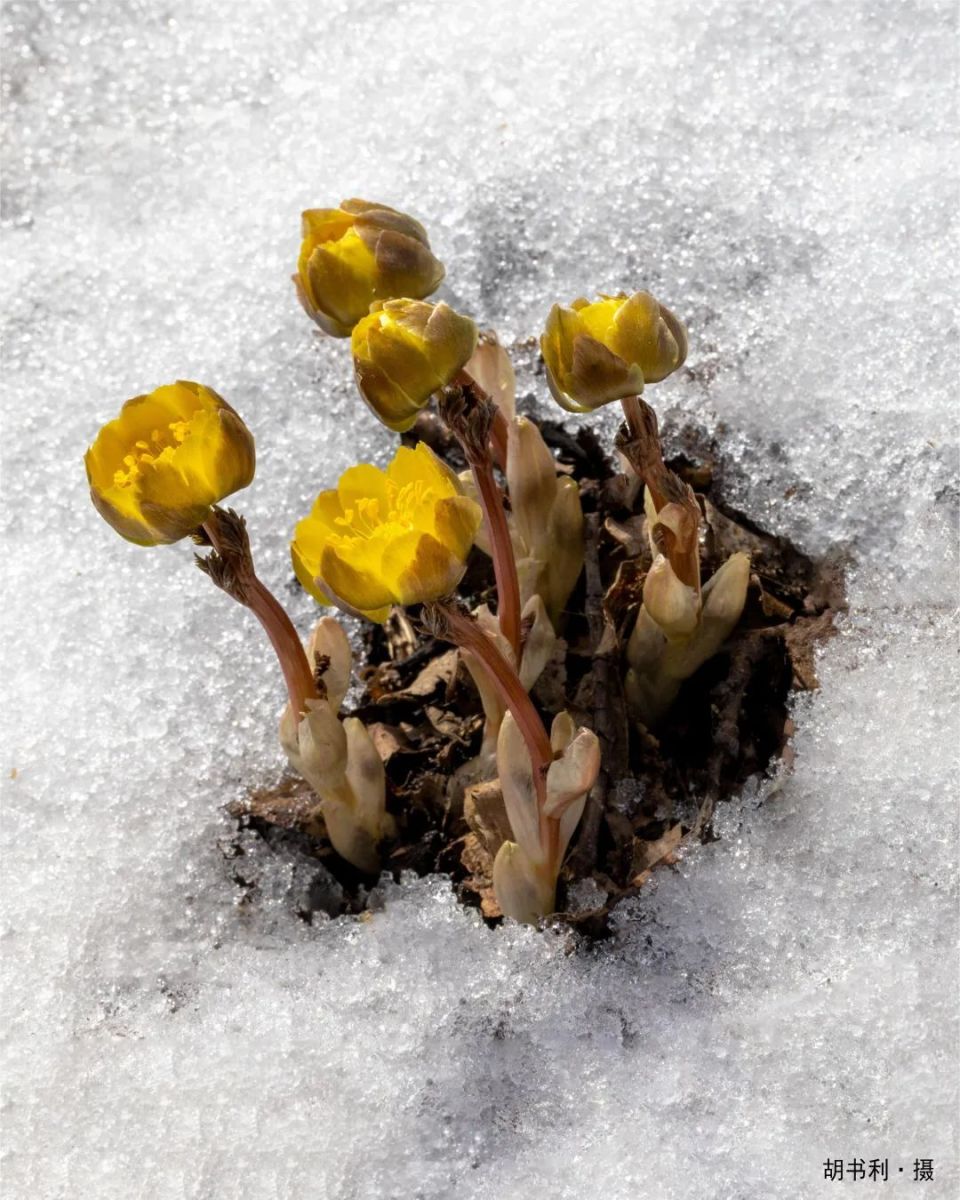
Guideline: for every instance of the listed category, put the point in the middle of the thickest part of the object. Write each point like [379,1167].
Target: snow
[781,176]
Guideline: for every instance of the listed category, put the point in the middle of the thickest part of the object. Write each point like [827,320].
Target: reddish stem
[469,636]
[466,633]
[297,673]
[498,431]
[465,422]
[501,547]
[498,439]
[285,640]
[638,433]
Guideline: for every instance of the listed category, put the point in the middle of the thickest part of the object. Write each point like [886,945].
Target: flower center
[365,520]
[160,447]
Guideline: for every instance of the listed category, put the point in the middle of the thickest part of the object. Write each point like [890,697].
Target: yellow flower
[399,536]
[406,350]
[605,350]
[358,253]
[156,470]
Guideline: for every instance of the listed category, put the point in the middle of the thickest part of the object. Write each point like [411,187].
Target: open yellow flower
[406,350]
[358,253]
[399,536]
[604,350]
[157,469]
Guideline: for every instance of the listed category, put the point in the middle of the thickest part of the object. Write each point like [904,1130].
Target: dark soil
[730,722]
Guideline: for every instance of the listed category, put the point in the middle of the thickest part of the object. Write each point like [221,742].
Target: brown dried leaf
[629,534]
[388,739]
[646,855]
[292,804]
[802,639]
[486,814]
[433,680]
[625,595]
[450,725]
[725,537]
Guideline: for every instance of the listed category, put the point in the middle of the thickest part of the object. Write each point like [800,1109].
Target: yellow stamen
[165,442]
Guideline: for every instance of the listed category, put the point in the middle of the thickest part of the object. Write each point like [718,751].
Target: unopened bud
[607,349]
[572,775]
[368,783]
[406,350]
[519,788]
[725,593]
[539,642]
[315,745]
[356,254]
[566,546]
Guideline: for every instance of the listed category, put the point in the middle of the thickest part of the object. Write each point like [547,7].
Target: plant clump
[568,661]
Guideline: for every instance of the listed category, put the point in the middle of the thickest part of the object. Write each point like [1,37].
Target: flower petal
[456,520]
[418,568]
[599,376]
[337,279]
[363,483]
[410,466]
[306,574]
[362,589]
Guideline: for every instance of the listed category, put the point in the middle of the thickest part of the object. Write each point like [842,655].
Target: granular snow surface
[782,175]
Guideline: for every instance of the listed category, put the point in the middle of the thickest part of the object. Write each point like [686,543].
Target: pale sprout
[338,758]
[678,628]
[546,519]
[543,813]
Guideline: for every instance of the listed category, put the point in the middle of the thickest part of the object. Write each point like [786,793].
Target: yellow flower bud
[600,351]
[404,351]
[358,253]
[157,469]
[399,536]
